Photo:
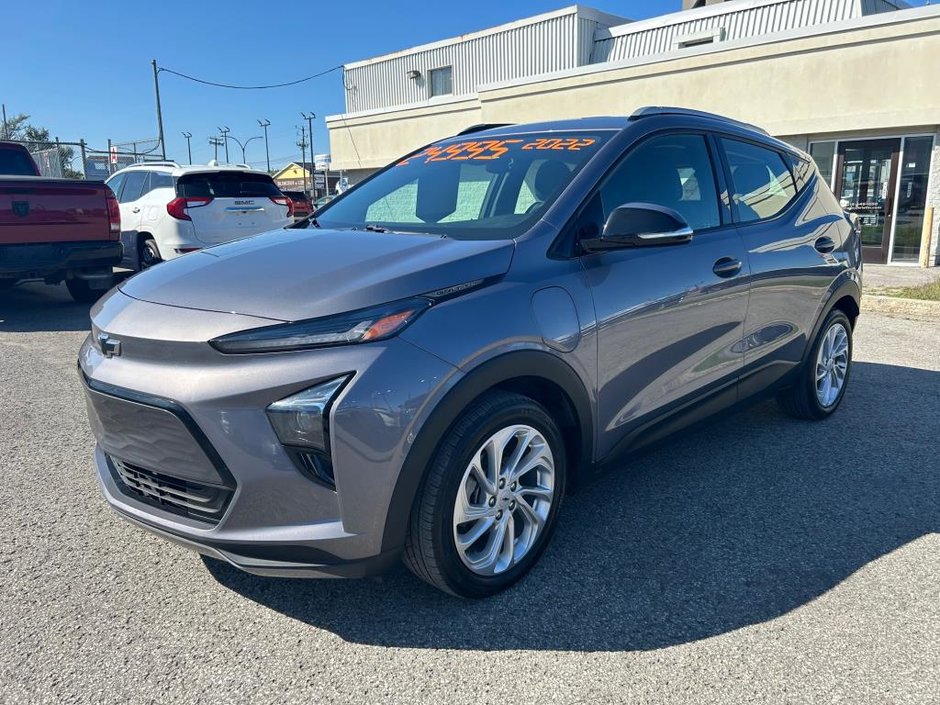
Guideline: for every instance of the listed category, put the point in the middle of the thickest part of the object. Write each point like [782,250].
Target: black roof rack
[483,126]
[651,110]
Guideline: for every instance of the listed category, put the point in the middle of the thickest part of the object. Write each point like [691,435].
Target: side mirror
[640,225]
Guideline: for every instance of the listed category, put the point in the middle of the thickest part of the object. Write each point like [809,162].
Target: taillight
[114,214]
[177,207]
[284,201]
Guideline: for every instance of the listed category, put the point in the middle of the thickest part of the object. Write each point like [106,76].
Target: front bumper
[43,260]
[276,520]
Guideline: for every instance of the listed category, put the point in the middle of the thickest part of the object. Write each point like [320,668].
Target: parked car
[168,210]
[300,202]
[470,333]
[55,230]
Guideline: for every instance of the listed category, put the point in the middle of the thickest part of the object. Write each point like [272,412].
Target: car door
[135,185]
[795,250]
[669,317]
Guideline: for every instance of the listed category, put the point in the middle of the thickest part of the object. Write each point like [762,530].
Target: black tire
[148,254]
[81,292]
[801,401]
[430,550]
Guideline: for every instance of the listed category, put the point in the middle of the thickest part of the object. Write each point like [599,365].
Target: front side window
[674,171]
[115,183]
[441,81]
[762,185]
[468,187]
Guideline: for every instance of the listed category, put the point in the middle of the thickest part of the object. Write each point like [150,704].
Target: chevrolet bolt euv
[426,368]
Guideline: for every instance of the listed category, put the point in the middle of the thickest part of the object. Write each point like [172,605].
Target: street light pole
[267,154]
[225,131]
[310,118]
[244,144]
[189,151]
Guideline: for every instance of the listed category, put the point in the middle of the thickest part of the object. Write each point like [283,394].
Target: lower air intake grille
[171,494]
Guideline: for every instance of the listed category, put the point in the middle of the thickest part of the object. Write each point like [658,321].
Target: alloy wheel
[832,364]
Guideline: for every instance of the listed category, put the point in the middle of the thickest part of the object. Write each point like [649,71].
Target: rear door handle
[135,209]
[727,267]
[825,244]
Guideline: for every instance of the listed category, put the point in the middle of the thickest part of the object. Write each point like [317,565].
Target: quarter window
[762,185]
[441,81]
[673,171]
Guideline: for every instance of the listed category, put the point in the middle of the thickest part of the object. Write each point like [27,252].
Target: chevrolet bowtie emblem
[109,346]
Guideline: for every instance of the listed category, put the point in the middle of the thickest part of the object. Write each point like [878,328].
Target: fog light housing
[301,420]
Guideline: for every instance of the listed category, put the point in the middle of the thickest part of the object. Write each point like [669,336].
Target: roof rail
[483,126]
[161,163]
[651,110]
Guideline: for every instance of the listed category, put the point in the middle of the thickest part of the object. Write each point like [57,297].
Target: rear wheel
[825,376]
[489,503]
[148,253]
[81,292]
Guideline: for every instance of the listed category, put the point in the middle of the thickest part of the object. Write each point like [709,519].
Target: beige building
[853,82]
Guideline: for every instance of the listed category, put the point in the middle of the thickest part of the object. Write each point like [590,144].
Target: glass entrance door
[866,182]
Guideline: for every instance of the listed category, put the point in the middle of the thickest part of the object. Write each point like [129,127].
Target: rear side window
[226,184]
[673,171]
[762,185]
[16,162]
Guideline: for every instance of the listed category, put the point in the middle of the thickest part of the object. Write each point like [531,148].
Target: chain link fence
[78,160]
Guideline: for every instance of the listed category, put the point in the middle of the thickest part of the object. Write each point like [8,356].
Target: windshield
[468,188]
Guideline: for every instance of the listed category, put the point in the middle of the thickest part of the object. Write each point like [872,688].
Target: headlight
[300,420]
[365,325]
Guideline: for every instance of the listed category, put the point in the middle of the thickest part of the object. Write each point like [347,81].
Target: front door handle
[825,244]
[727,267]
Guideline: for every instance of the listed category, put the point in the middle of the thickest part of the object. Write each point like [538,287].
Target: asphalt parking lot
[756,559]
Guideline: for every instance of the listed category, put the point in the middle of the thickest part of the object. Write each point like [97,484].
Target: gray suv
[425,369]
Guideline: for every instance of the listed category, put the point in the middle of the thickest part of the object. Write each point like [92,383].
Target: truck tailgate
[37,210]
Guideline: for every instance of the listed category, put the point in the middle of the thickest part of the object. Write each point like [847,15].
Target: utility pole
[156,90]
[313,167]
[264,124]
[216,142]
[225,131]
[303,154]
[189,151]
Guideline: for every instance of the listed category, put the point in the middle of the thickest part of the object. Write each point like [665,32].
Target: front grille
[171,494]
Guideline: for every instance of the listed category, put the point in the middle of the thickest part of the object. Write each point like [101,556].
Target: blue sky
[83,70]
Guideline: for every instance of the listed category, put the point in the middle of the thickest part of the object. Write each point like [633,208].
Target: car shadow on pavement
[731,524]
[35,307]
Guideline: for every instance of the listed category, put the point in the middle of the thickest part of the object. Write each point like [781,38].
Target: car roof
[180,170]
[613,122]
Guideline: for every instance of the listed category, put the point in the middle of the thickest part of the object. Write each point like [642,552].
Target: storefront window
[912,197]
[822,153]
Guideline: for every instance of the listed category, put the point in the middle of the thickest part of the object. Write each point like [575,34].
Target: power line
[250,88]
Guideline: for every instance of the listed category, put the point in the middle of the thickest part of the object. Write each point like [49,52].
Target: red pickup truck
[56,229]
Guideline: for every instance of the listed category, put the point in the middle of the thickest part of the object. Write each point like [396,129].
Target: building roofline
[588,12]
[700,13]
[855,23]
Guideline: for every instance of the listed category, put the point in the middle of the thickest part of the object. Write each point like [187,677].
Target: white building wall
[726,22]
[551,42]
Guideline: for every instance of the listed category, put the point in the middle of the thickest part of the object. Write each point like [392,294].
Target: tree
[37,138]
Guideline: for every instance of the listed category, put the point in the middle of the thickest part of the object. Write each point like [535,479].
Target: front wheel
[825,376]
[490,500]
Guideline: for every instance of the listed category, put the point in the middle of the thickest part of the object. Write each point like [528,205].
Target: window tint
[762,185]
[158,179]
[441,81]
[115,183]
[16,162]
[134,184]
[673,171]
[226,184]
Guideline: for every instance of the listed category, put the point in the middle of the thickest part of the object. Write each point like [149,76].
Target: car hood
[294,274]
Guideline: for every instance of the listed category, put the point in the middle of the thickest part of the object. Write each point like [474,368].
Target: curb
[895,306]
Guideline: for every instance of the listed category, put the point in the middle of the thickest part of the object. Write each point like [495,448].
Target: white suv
[168,210]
